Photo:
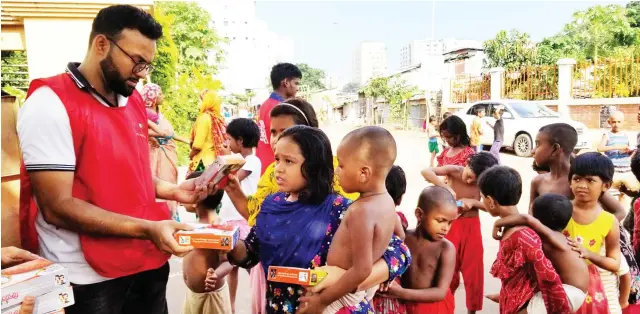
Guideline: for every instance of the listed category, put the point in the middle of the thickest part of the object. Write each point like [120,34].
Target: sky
[325,33]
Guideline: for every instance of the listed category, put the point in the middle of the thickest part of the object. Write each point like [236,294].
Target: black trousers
[140,293]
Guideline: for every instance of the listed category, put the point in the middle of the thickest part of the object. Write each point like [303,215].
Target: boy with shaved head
[365,157]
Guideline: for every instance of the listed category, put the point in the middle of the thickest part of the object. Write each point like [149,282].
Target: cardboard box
[218,172]
[206,236]
[296,276]
[33,278]
[48,303]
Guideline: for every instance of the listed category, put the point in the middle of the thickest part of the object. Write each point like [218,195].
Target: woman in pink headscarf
[163,155]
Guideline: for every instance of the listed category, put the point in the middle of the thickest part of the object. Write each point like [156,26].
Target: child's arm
[397,229]
[469,204]
[625,290]
[604,148]
[611,261]
[612,205]
[432,175]
[181,139]
[433,294]
[490,125]
[213,275]
[533,192]
[154,129]
[546,235]
[361,238]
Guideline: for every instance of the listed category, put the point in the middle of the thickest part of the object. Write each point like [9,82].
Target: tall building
[419,51]
[416,51]
[251,49]
[369,61]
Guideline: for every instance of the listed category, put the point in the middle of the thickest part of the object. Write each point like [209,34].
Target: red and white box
[33,278]
[48,303]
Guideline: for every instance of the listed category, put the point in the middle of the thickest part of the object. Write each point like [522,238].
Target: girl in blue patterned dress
[295,226]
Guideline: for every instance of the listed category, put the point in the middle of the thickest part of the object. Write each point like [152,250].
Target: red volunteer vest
[264,152]
[112,172]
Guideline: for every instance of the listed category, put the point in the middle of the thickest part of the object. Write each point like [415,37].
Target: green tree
[599,29]
[395,91]
[311,77]
[352,87]
[633,13]
[510,50]
[187,56]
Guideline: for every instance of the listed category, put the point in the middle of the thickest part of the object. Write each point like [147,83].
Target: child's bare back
[373,217]
[568,264]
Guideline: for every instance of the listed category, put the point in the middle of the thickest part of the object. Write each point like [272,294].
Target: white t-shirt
[249,187]
[46,142]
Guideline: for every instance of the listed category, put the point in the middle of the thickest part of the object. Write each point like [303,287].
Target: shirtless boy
[551,214]
[465,231]
[425,285]
[365,157]
[554,146]
[204,271]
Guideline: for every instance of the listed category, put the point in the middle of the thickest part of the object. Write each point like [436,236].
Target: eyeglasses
[139,65]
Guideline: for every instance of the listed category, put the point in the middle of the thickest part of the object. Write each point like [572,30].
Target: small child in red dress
[454,132]
[425,285]
[521,264]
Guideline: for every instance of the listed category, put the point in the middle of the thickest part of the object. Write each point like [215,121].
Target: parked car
[522,120]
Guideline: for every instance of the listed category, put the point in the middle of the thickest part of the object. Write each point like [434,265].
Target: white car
[522,121]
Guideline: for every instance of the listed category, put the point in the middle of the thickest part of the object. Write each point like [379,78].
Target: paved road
[413,155]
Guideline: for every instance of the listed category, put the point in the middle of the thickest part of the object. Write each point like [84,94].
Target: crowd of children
[569,255]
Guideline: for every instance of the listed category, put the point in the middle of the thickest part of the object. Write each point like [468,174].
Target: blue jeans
[141,293]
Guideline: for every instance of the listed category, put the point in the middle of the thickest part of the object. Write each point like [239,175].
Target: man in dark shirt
[498,131]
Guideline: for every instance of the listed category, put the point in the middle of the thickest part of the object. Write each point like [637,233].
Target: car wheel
[523,146]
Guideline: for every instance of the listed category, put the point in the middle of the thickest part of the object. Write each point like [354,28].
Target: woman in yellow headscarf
[208,133]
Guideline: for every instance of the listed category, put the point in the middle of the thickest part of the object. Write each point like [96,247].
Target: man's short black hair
[592,164]
[212,201]
[503,184]
[111,20]
[245,129]
[553,211]
[282,71]
[562,134]
[396,183]
[481,161]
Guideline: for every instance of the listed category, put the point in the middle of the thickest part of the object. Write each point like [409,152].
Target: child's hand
[391,290]
[497,232]
[233,185]
[333,275]
[210,281]
[577,247]
[467,204]
[624,303]
[311,304]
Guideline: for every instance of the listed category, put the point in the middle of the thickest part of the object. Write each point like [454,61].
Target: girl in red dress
[454,131]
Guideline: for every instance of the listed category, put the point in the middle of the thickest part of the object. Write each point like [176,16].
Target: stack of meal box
[40,278]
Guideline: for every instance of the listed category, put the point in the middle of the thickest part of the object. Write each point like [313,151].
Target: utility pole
[427,92]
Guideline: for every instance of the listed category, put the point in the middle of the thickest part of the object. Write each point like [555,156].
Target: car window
[532,110]
[472,111]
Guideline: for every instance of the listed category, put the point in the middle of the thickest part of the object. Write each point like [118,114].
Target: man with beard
[87,193]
